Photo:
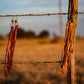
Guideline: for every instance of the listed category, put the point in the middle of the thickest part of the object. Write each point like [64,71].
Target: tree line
[21,33]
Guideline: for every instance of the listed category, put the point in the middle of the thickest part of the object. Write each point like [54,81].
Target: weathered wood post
[72,13]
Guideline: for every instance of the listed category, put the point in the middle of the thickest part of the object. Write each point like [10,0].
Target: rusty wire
[48,14]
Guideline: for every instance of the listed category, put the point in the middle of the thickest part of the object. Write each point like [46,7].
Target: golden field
[35,62]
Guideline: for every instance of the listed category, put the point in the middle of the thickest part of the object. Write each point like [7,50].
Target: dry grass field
[35,62]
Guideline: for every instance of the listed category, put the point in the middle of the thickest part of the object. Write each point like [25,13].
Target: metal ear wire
[16,21]
[12,21]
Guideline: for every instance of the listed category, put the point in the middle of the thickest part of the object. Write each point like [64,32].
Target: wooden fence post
[72,13]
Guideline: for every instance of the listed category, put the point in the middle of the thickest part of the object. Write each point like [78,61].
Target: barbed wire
[80,12]
[48,14]
[38,62]
[34,14]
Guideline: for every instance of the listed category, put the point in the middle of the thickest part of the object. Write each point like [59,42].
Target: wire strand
[33,14]
[48,14]
[36,62]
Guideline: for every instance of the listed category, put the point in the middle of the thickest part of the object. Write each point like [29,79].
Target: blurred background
[39,46]
[38,24]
